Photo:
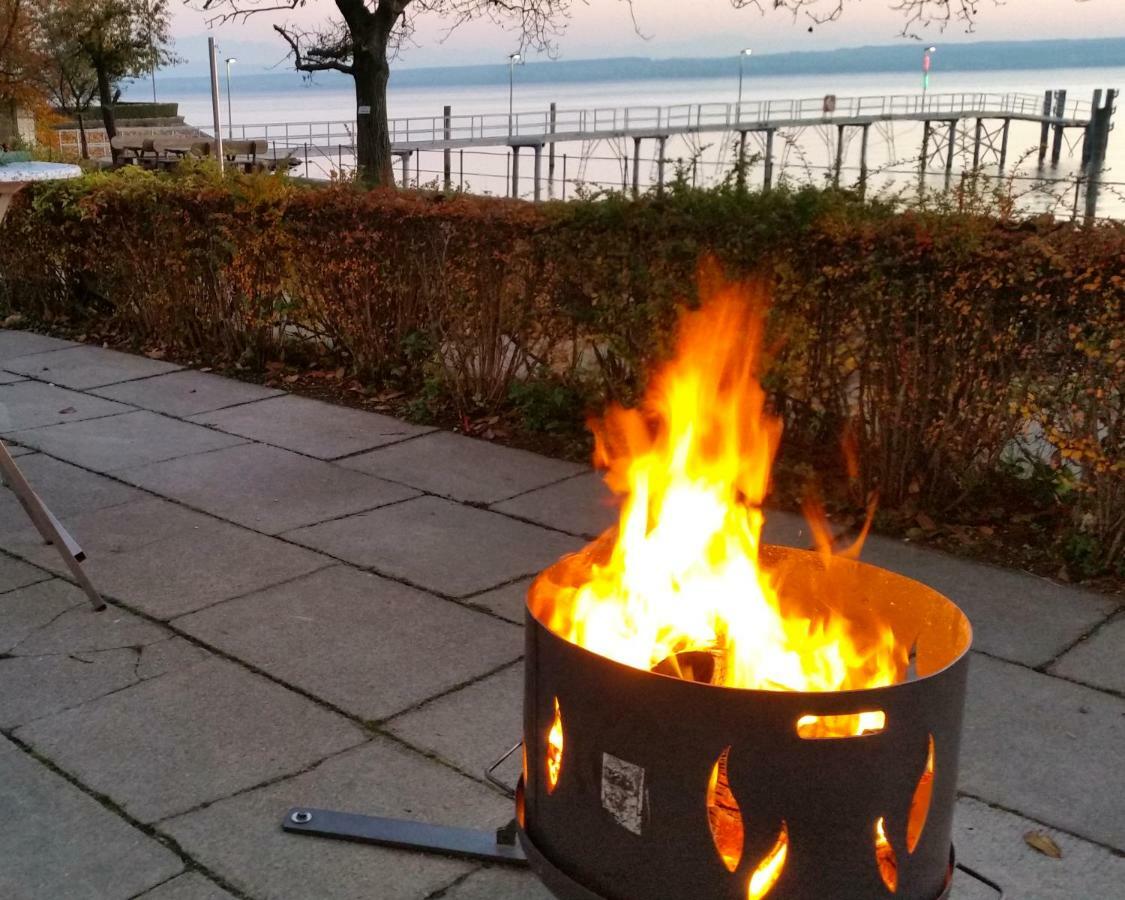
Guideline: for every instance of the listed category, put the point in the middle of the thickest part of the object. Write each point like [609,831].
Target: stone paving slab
[363,643]
[1099,660]
[473,727]
[87,366]
[166,560]
[14,344]
[310,426]
[1046,748]
[240,839]
[442,546]
[191,886]
[15,573]
[56,843]
[66,490]
[193,736]
[1020,617]
[186,393]
[462,468]
[991,842]
[266,488]
[509,601]
[499,883]
[583,506]
[28,610]
[33,404]
[126,441]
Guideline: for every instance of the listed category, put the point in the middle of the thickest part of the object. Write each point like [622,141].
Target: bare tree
[361,42]
[65,75]
[916,13]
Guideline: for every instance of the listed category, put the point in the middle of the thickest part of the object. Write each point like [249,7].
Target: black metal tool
[500,846]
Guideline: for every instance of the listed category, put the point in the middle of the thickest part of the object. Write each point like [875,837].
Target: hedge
[936,344]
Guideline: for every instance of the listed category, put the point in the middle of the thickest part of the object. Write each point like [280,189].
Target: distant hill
[967,57]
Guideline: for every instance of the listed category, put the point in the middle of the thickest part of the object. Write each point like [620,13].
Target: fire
[678,586]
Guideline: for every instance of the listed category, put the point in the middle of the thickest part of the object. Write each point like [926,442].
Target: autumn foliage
[951,353]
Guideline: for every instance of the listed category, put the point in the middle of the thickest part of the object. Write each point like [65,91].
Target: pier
[989,117]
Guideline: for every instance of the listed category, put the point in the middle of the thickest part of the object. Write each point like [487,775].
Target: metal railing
[600,122]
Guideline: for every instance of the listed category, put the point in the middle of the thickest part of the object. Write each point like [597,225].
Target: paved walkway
[315,605]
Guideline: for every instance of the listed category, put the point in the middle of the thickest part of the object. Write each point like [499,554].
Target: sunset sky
[711,28]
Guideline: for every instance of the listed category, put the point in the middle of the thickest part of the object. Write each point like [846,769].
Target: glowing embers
[920,805]
[885,857]
[554,750]
[723,814]
[770,868]
[849,725]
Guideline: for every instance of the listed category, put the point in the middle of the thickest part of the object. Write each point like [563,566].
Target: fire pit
[705,716]
[708,716]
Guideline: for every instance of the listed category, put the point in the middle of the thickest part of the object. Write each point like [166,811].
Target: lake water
[804,155]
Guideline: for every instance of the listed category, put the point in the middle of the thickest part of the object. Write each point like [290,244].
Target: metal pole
[564,177]
[976,144]
[538,172]
[513,58]
[516,172]
[661,141]
[839,155]
[215,103]
[230,118]
[1004,144]
[551,157]
[863,160]
[1045,129]
[768,178]
[1060,113]
[636,168]
[447,131]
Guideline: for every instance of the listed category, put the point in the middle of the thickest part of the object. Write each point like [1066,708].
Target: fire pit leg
[500,846]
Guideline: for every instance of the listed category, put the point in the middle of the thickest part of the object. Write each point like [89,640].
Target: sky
[605,28]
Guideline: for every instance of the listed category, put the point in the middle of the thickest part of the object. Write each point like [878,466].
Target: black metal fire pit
[642,786]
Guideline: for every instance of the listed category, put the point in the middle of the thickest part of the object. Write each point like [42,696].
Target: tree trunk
[82,136]
[373,140]
[105,97]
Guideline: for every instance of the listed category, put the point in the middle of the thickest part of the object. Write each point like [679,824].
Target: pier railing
[593,124]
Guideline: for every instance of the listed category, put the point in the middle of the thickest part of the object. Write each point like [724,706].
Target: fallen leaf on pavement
[1044,843]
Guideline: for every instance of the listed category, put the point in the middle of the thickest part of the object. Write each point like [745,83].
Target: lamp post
[926,72]
[230,121]
[742,54]
[513,58]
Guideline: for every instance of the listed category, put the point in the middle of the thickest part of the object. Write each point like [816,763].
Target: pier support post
[538,172]
[551,156]
[767,182]
[1045,128]
[923,157]
[839,155]
[515,171]
[660,142]
[863,159]
[741,173]
[636,167]
[405,170]
[976,144]
[1004,145]
[447,132]
[1097,135]
[1060,113]
[951,147]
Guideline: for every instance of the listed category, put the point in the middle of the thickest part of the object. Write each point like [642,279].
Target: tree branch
[316,59]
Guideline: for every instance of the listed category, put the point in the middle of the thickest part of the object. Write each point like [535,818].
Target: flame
[770,868]
[885,857]
[554,750]
[681,574]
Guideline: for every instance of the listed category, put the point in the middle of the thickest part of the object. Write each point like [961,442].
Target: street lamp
[926,72]
[230,121]
[742,54]
[513,58]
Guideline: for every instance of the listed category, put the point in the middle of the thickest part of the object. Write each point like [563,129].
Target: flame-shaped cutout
[723,814]
[770,868]
[850,725]
[885,857]
[554,750]
[920,805]
[521,803]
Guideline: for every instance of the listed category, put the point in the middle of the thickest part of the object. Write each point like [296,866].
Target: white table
[14,176]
